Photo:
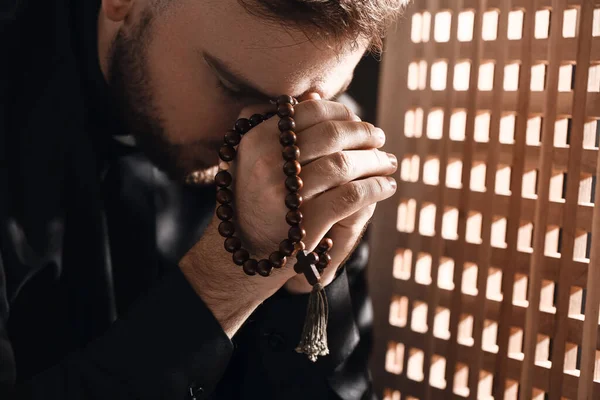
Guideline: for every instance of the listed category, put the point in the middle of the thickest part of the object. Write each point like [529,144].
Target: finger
[309,113]
[312,112]
[339,203]
[342,167]
[332,136]
[262,141]
[346,235]
[310,96]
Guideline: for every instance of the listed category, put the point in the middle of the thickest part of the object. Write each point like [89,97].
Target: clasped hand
[344,177]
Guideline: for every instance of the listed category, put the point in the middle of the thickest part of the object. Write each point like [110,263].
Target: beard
[131,89]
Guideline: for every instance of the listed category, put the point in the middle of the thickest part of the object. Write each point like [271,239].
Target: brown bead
[286,124]
[256,119]
[242,125]
[240,256]
[250,266]
[287,138]
[224,212]
[286,247]
[285,99]
[325,245]
[293,201]
[227,153]
[277,259]
[226,228]
[300,246]
[290,153]
[292,168]
[285,110]
[224,196]
[264,267]
[294,183]
[232,244]
[294,217]
[223,179]
[296,233]
[324,261]
[233,138]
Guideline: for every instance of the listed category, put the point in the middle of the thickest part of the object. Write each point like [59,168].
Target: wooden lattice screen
[485,266]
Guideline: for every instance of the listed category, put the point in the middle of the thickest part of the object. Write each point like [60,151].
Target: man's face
[182,75]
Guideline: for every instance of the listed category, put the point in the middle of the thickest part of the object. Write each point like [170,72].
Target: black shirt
[92,303]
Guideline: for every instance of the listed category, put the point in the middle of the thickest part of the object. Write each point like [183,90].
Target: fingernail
[393,159]
[393,183]
[381,134]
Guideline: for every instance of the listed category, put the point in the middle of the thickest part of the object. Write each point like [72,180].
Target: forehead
[275,56]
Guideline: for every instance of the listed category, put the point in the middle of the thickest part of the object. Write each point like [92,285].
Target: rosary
[313,341]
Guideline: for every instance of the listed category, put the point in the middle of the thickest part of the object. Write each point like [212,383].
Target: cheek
[185,92]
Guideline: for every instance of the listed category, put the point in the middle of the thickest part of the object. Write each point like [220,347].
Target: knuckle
[381,186]
[354,193]
[332,131]
[367,128]
[316,108]
[370,129]
[350,195]
[348,113]
[342,164]
[382,158]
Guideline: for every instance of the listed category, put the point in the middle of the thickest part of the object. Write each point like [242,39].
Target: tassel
[313,342]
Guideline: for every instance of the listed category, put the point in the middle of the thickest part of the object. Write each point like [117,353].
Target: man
[114,283]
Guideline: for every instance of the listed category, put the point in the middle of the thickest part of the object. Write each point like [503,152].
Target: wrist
[298,285]
[227,294]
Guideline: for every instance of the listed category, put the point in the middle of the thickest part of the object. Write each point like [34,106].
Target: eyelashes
[238,96]
[233,94]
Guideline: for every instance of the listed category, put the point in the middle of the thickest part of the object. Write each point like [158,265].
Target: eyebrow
[246,88]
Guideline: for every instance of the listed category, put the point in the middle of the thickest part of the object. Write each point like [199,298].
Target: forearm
[230,299]
[230,295]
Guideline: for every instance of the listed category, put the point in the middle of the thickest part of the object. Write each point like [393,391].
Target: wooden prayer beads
[310,264]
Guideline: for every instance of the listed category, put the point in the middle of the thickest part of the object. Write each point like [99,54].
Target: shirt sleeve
[168,345]
[268,341]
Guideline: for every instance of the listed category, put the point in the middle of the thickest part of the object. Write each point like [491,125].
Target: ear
[117,10]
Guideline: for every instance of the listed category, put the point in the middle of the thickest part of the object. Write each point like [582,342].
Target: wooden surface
[485,272]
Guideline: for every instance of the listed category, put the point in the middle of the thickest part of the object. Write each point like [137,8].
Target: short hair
[344,21]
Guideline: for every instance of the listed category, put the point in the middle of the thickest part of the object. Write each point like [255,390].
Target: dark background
[364,87]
